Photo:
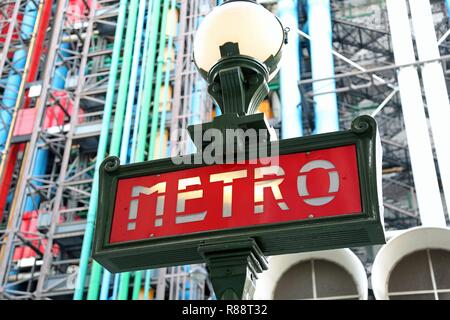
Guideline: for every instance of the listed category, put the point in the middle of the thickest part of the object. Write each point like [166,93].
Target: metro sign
[320,193]
[322,183]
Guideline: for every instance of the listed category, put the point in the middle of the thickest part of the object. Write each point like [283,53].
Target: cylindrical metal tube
[422,162]
[101,151]
[291,119]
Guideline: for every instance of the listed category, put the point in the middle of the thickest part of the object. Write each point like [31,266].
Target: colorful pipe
[291,118]
[148,86]
[148,33]
[129,109]
[322,66]
[13,82]
[101,152]
[114,148]
[158,81]
[40,164]
[40,21]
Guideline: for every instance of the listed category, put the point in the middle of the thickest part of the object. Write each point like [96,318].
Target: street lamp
[237,50]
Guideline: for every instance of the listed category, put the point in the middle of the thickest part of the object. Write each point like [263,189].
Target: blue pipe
[187,293]
[104,290]
[147,283]
[115,286]
[10,94]
[14,79]
[28,21]
[40,165]
[39,169]
[125,145]
[291,125]
[447,4]
[148,31]
[59,79]
[141,83]
[322,65]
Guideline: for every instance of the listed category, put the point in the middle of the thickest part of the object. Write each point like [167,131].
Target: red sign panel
[310,185]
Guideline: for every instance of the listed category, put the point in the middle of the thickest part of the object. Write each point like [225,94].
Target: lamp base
[238,84]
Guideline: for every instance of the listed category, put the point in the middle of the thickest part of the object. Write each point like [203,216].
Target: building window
[421,275]
[316,280]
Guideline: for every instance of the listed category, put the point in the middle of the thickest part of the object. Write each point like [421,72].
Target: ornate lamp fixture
[237,50]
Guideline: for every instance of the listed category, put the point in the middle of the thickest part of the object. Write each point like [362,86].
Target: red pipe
[32,73]
[7,176]
[37,52]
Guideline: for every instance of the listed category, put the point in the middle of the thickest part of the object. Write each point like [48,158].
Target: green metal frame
[272,239]
[238,84]
[233,267]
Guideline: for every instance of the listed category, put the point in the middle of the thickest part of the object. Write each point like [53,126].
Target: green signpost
[233,202]
[352,218]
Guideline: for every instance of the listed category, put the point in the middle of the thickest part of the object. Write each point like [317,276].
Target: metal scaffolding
[79,49]
[361,34]
[81,43]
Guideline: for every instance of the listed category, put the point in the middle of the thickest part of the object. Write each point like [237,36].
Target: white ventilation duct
[413,240]
[267,281]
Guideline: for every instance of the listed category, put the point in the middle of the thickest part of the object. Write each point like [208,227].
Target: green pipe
[101,151]
[148,87]
[124,286]
[114,148]
[148,33]
[162,125]
[94,281]
[137,285]
[148,66]
[158,84]
[94,284]
[147,96]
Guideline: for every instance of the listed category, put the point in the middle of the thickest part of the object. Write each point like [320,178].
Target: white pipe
[422,162]
[322,66]
[434,86]
[278,265]
[444,37]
